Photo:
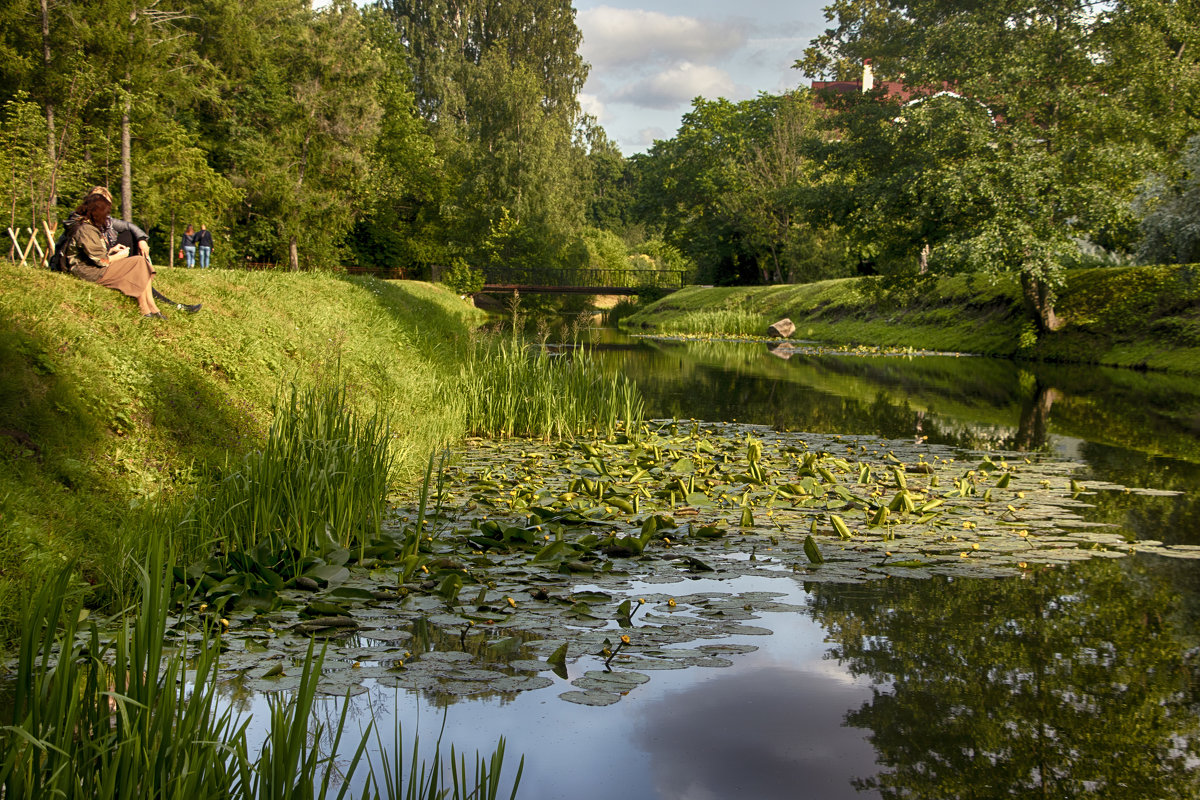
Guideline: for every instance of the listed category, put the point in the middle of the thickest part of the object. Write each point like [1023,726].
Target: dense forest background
[1032,137]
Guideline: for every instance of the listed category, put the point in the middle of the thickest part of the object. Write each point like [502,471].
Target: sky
[650,58]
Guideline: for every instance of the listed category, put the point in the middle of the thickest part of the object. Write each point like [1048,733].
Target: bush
[462,279]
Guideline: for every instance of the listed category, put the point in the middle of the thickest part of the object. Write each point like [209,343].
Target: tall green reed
[128,717]
[511,389]
[320,481]
[723,321]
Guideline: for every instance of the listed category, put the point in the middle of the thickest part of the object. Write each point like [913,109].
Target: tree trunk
[923,259]
[293,255]
[1039,303]
[51,210]
[126,137]
[126,168]
[1035,419]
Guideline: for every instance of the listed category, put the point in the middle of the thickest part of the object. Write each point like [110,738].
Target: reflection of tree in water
[1068,683]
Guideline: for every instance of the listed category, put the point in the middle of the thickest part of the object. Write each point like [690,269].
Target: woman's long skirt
[129,275]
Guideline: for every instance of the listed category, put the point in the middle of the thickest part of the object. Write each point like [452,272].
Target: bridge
[584,280]
[548,280]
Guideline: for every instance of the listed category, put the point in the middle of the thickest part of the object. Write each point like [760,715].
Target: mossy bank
[102,411]
[1143,317]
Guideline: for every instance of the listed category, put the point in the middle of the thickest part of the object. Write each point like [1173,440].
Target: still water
[1066,682]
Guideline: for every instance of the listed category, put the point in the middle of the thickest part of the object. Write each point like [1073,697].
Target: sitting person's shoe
[192,309]
[155,315]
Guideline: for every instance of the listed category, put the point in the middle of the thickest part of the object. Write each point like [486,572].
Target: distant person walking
[188,246]
[204,245]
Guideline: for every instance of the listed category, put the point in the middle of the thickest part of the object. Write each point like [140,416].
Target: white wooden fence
[33,243]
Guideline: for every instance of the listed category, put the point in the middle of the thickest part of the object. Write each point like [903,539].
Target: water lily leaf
[559,656]
[352,593]
[330,574]
[591,698]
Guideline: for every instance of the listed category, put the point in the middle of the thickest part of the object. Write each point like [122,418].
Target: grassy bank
[1145,317]
[101,411]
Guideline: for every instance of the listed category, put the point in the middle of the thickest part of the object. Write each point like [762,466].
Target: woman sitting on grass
[92,259]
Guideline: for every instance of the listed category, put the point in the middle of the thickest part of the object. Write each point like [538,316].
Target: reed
[511,389]
[127,717]
[717,321]
[320,481]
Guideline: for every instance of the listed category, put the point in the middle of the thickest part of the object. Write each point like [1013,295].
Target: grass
[511,389]
[105,420]
[133,718]
[321,481]
[1145,317]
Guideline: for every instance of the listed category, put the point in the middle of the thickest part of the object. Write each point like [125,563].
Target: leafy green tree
[497,83]
[408,182]
[181,188]
[781,188]
[296,134]
[682,181]
[611,186]
[731,190]
[1078,107]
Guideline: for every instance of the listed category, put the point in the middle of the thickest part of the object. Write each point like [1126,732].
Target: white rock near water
[782,329]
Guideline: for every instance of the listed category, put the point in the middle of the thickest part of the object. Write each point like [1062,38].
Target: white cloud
[676,86]
[591,104]
[621,38]
[647,136]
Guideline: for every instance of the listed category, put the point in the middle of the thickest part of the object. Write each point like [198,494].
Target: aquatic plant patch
[572,564]
[787,348]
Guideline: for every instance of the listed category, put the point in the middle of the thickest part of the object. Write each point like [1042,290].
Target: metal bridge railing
[586,276]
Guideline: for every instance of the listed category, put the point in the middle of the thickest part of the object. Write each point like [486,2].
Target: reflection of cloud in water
[773,733]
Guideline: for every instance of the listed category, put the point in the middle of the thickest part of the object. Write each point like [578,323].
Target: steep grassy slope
[101,411]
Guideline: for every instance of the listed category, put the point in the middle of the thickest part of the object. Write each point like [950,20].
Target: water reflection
[1070,683]
[776,732]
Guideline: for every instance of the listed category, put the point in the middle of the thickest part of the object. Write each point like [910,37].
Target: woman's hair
[95,208]
[190,229]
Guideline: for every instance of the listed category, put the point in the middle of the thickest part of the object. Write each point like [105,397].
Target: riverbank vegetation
[105,414]
[1143,317]
[139,714]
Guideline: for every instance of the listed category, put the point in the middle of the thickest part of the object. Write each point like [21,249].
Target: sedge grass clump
[123,716]
[723,321]
[321,481]
[511,389]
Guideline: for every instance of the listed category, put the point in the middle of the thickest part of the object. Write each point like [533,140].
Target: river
[1072,681]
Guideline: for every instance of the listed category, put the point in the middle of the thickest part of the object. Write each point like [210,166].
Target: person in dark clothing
[92,259]
[188,246]
[113,234]
[204,245]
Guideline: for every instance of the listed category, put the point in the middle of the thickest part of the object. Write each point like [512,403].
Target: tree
[497,82]
[736,187]
[299,126]
[781,188]
[1078,109]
